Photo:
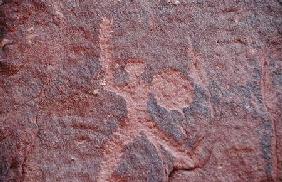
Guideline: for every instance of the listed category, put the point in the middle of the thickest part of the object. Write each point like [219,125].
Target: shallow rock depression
[140,90]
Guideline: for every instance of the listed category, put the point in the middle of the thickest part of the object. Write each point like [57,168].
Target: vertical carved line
[105,42]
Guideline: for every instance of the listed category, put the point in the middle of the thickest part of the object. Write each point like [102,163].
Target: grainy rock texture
[140,90]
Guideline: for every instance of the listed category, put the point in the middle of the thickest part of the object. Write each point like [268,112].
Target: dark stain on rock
[199,106]
[140,162]
[2,29]
[276,72]
[266,146]
[8,69]
[251,101]
[10,160]
[166,120]
[121,77]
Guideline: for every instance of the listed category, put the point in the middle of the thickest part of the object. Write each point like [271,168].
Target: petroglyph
[124,90]
[170,88]
[57,10]
[175,2]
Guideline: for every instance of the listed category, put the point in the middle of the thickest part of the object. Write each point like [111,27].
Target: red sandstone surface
[140,90]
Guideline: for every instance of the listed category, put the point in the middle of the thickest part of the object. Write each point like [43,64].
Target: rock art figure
[171,90]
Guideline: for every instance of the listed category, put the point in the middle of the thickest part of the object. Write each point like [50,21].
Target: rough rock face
[140,90]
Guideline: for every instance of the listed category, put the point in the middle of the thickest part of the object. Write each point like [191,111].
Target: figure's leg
[113,151]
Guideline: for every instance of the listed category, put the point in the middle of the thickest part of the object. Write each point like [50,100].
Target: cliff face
[139,90]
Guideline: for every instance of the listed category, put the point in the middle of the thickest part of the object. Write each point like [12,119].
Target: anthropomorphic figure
[171,90]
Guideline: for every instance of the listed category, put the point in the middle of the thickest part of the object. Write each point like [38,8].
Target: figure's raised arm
[105,41]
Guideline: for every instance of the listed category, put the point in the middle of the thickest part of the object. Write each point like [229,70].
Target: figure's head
[172,89]
[135,68]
